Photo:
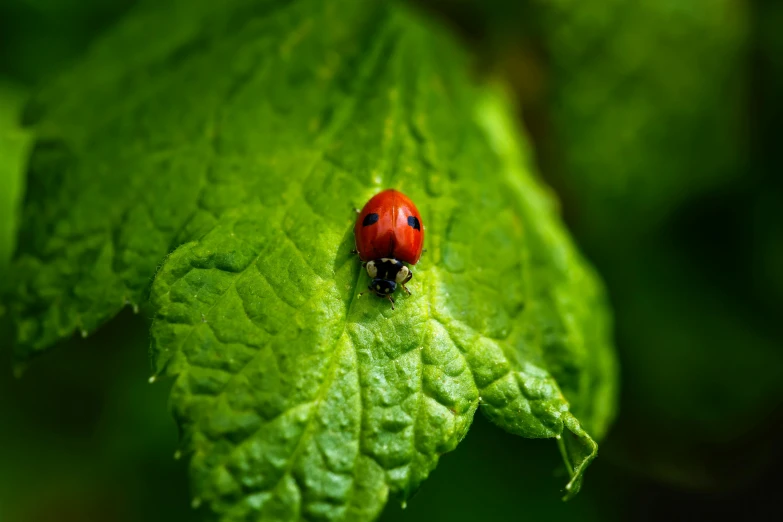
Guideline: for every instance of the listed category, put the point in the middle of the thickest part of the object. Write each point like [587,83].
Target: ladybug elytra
[389,233]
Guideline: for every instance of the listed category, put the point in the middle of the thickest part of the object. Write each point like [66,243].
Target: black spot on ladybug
[370,219]
[413,221]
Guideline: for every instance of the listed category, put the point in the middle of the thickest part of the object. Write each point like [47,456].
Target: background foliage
[655,123]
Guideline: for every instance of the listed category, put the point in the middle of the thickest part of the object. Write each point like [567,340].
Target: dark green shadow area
[86,438]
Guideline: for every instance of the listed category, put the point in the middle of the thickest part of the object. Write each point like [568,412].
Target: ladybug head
[382,287]
[386,274]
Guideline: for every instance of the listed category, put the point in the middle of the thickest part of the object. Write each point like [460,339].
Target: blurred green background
[655,122]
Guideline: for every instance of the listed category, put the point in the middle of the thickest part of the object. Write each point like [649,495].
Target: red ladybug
[389,232]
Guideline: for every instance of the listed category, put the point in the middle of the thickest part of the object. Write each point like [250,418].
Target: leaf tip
[578,452]
[152,379]
[195,503]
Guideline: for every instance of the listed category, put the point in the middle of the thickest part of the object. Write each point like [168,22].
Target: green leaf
[42,37]
[14,150]
[237,144]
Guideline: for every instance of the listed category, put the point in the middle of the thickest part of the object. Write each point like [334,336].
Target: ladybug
[389,233]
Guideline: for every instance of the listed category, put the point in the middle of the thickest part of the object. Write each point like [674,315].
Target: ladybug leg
[406,288]
[391,301]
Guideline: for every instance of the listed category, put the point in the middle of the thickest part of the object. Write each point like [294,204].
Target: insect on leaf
[223,160]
